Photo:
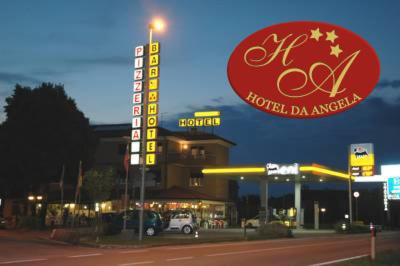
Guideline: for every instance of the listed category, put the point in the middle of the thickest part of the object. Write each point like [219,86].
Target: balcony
[188,159]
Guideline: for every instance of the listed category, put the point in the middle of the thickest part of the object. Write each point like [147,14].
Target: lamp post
[34,199]
[156,25]
[323,210]
[356,194]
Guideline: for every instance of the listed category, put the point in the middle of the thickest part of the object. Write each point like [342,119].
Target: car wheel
[150,231]
[187,230]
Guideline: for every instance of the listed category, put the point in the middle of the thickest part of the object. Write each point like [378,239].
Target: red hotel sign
[303,69]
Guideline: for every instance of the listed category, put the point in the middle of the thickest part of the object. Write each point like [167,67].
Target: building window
[159,148]
[196,182]
[202,153]
[196,179]
[194,151]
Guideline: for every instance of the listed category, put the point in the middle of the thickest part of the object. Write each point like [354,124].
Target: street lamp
[356,194]
[323,210]
[157,25]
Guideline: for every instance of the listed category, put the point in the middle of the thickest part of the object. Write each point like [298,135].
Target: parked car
[180,221]
[2,223]
[152,223]
[255,222]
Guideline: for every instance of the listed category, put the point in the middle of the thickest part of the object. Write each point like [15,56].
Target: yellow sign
[153,84]
[151,133]
[362,154]
[151,146]
[207,114]
[153,96]
[152,121]
[154,48]
[150,159]
[153,72]
[154,60]
[152,108]
[362,161]
[200,122]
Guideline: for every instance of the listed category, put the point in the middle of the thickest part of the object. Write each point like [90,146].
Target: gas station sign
[362,160]
[393,188]
[282,169]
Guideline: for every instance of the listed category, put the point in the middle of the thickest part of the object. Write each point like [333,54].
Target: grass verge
[385,258]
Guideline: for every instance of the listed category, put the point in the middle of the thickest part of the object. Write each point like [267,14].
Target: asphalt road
[19,250]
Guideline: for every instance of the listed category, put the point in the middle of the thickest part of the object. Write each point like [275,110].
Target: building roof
[124,130]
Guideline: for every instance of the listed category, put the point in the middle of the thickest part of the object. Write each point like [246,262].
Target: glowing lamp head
[157,24]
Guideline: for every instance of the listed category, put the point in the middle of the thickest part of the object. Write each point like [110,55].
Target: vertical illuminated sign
[145,84]
[153,73]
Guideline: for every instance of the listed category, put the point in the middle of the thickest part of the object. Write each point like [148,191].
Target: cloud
[389,83]
[112,60]
[218,99]
[263,138]
[12,78]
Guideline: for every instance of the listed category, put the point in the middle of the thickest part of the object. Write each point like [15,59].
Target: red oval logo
[303,69]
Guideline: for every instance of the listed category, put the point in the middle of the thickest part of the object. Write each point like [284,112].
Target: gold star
[315,34]
[331,36]
[335,50]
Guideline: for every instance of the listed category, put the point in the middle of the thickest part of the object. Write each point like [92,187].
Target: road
[17,250]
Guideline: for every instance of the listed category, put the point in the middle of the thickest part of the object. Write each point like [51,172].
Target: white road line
[277,248]
[133,251]
[85,255]
[181,258]
[137,263]
[339,260]
[21,261]
[242,243]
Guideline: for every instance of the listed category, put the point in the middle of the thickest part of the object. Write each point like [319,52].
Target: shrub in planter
[354,228]
[275,230]
[29,222]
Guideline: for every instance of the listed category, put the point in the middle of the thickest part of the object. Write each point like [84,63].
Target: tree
[43,130]
[99,184]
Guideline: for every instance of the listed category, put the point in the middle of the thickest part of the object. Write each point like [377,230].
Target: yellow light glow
[31,198]
[157,24]
[39,197]
[185,146]
[207,114]
[323,171]
[237,170]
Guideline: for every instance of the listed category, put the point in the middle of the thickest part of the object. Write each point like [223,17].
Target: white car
[180,221]
[253,222]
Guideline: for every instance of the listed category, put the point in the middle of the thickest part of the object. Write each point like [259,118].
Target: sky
[88,47]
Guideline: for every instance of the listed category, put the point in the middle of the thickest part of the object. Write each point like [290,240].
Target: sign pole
[350,198]
[144,137]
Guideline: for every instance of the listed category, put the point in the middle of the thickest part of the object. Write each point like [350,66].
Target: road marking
[133,251]
[137,263]
[243,243]
[85,255]
[339,260]
[181,258]
[277,248]
[21,261]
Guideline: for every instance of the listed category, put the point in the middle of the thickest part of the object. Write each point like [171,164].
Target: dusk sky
[88,47]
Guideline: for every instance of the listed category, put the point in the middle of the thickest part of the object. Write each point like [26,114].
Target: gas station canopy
[279,173]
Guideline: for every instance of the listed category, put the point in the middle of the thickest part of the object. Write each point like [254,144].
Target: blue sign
[393,188]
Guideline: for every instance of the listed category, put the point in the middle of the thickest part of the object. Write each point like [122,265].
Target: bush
[29,222]
[275,230]
[354,228]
